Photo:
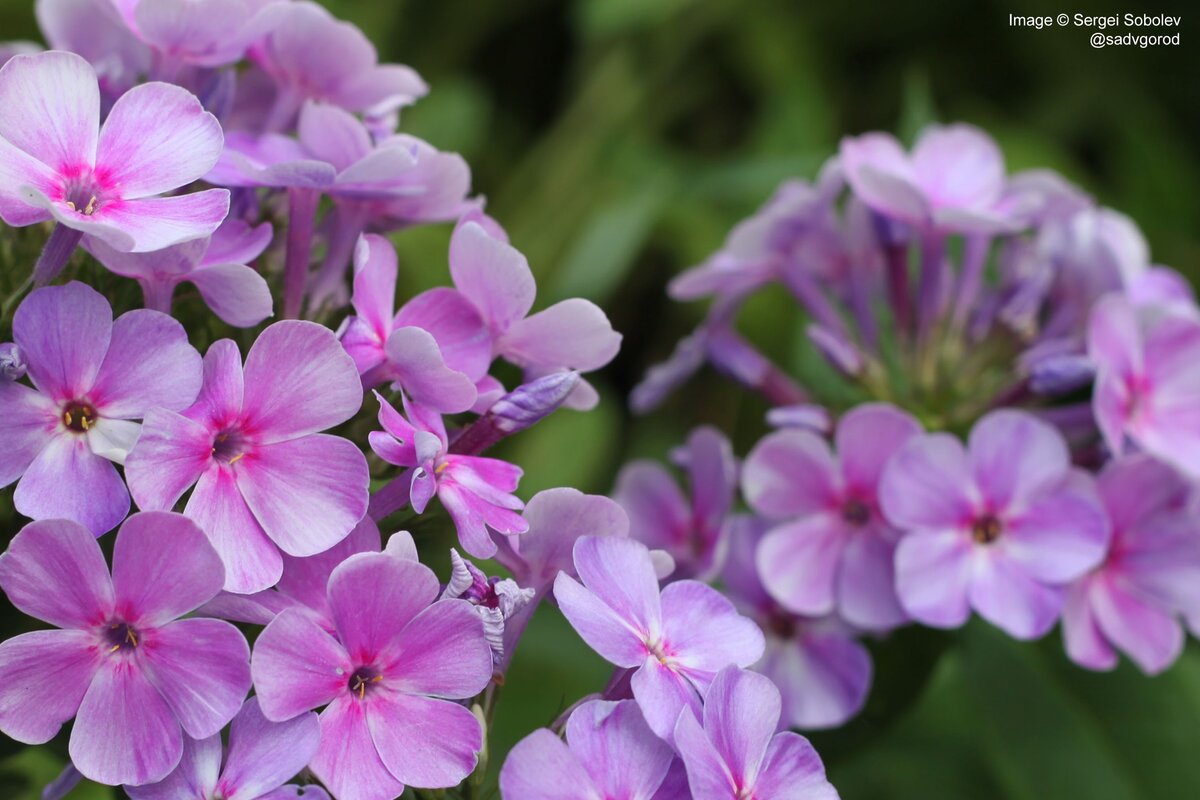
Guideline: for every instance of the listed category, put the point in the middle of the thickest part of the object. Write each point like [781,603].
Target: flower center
[363,679]
[986,529]
[78,416]
[856,512]
[121,636]
[781,624]
[82,195]
[228,446]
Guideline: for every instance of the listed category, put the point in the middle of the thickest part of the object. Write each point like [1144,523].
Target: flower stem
[302,211]
[55,254]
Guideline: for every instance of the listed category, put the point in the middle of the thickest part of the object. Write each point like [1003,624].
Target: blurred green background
[619,140]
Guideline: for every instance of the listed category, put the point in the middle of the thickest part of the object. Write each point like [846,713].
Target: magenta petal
[125,731]
[51,108]
[68,481]
[927,484]
[618,749]
[264,754]
[170,455]
[27,712]
[299,381]
[332,134]
[866,438]
[799,562]
[157,137]
[27,421]
[703,631]
[741,713]
[201,667]
[1146,632]
[619,572]
[19,169]
[866,582]
[932,574]
[374,295]
[373,596]
[790,472]
[307,493]
[662,693]
[442,652]
[195,776]
[63,555]
[347,761]
[598,624]
[155,223]
[461,335]
[1010,599]
[1014,455]
[1084,641]
[422,372]
[220,401]
[305,579]
[252,561]
[1059,538]
[708,775]
[236,293]
[297,666]
[490,272]
[573,333]
[793,770]
[63,332]
[423,741]
[542,767]
[163,567]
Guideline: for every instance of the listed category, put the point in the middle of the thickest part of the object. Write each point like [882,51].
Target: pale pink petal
[149,363]
[299,380]
[332,134]
[461,335]
[662,694]
[1058,538]
[708,774]
[866,438]
[574,334]
[220,401]
[793,771]
[866,582]
[490,272]
[307,493]
[27,422]
[927,484]
[264,754]
[297,666]
[374,296]
[823,678]
[252,561]
[423,741]
[236,293]
[347,761]
[1014,455]
[201,667]
[741,713]
[1010,599]
[155,223]
[163,567]
[63,332]
[703,632]
[68,481]
[62,554]
[157,137]
[1146,632]
[19,169]
[659,514]
[50,108]
[799,562]
[442,652]
[958,166]
[790,472]
[196,775]
[125,731]
[933,571]
[878,170]
[170,455]
[423,374]
[542,767]
[598,624]
[373,596]
[28,712]
[619,572]
[1084,641]
[305,579]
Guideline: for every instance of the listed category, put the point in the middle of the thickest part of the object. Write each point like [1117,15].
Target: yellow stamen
[67,419]
[441,468]
[91,206]
[131,637]
[234,460]
[70,205]
[115,647]
[84,422]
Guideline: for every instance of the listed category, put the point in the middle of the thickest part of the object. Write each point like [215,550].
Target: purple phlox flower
[1132,601]
[734,753]
[496,599]
[807,416]
[262,756]
[952,182]
[610,754]
[833,550]
[134,676]
[302,584]
[191,33]
[435,348]
[477,492]
[676,641]
[388,678]
[691,529]
[94,29]
[92,378]
[266,478]
[1000,526]
[1165,289]
[1147,380]
[511,413]
[573,334]
[215,265]
[56,162]
[12,362]
[1040,196]
[313,56]
[557,518]
[757,248]
[823,672]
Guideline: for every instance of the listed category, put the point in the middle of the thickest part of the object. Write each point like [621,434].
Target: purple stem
[860,304]
[348,224]
[929,292]
[302,211]
[158,295]
[390,498]
[734,356]
[56,253]
[806,289]
[897,282]
[970,279]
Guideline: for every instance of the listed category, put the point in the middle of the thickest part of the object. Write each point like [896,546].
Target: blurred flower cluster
[1014,430]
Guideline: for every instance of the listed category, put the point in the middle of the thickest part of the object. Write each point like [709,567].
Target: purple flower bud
[496,599]
[1060,374]
[806,415]
[12,362]
[837,349]
[521,408]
